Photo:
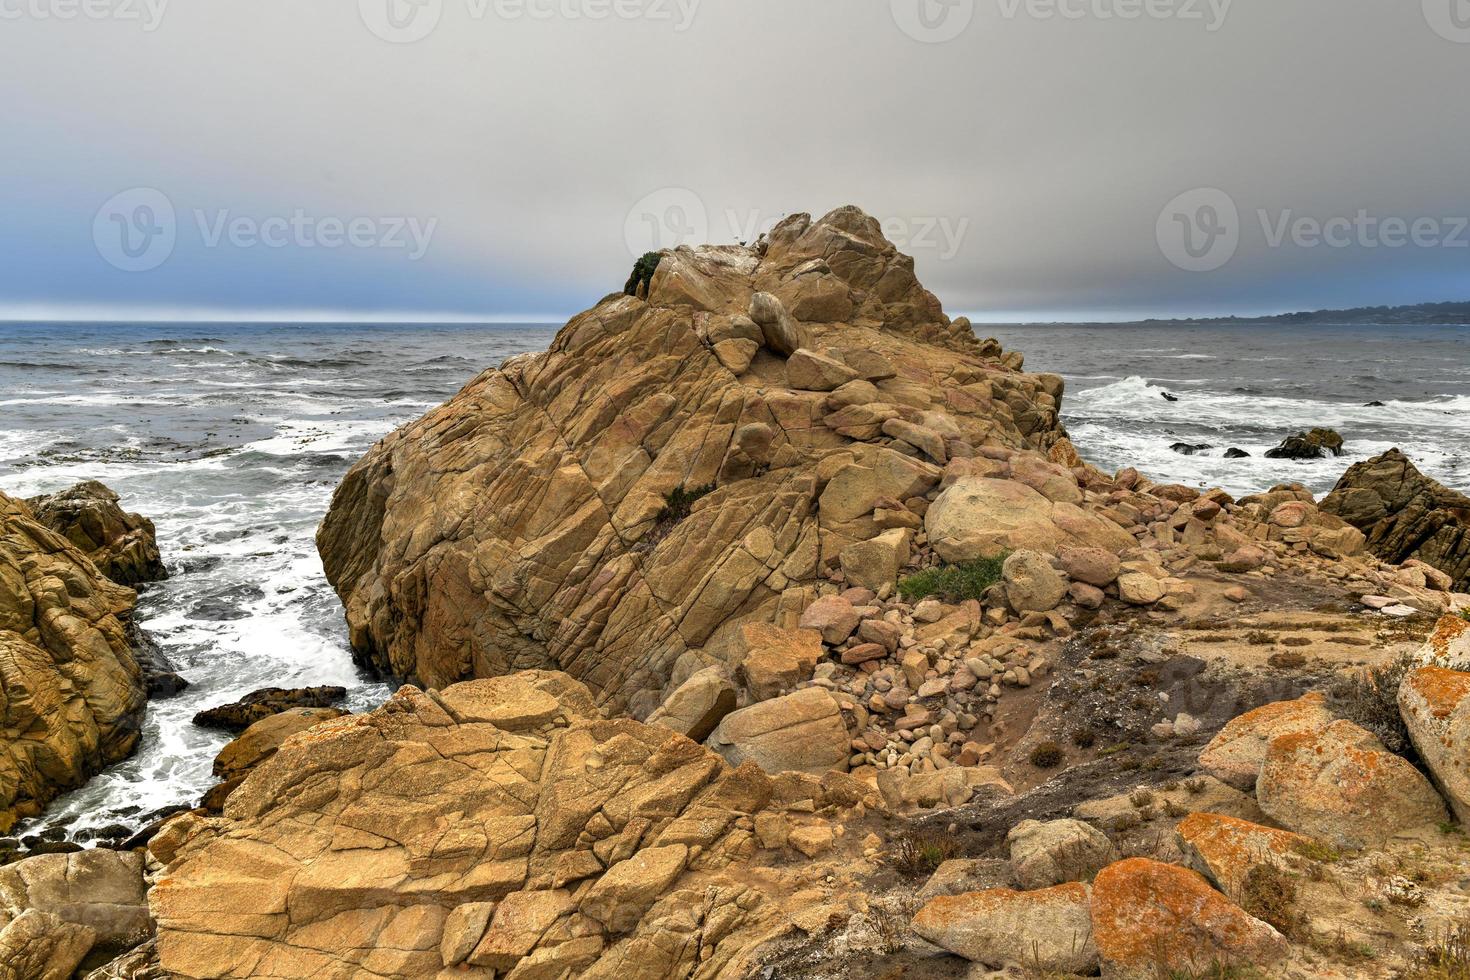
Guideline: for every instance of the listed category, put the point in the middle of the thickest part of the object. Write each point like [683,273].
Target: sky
[508,159]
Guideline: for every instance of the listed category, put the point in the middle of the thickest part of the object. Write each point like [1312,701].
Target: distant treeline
[1418,313]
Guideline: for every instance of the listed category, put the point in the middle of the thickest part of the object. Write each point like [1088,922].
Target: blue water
[232,438]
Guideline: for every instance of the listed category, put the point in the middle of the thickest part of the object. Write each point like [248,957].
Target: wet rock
[240,715]
[1316,444]
[1190,449]
[1234,453]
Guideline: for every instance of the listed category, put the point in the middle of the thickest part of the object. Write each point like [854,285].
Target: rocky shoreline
[770,624]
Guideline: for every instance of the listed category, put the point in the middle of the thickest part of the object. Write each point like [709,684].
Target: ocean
[232,437]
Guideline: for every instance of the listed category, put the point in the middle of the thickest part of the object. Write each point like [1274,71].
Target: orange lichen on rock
[1149,917]
[1435,705]
[1225,849]
[1236,754]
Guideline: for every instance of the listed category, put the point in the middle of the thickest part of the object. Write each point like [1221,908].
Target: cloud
[1024,161]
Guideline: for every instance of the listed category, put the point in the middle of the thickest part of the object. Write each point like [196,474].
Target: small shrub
[1047,755]
[1083,738]
[1194,786]
[1175,811]
[1270,894]
[643,271]
[1141,798]
[1259,638]
[1315,850]
[1446,958]
[890,925]
[1370,699]
[1287,661]
[916,853]
[677,505]
[952,583]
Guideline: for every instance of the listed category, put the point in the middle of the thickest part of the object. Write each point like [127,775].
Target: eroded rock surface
[523,524]
[497,825]
[73,692]
[1405,514]
[122,545]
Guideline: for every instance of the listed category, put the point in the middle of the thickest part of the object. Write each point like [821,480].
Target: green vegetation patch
[643,271]
[953,583]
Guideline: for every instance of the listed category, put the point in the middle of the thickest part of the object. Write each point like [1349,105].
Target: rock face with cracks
[71,690]
[524,523]
[499,825]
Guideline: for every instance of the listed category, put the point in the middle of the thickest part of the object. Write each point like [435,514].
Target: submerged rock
[1317,444]
[1405,514]
[257,705]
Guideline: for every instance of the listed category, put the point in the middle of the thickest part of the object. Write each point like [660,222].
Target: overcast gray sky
[506,158]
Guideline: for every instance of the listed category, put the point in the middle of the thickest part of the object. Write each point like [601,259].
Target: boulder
[1151,919]
[1058,851]
[1341,785]
[1048,929]
[419,836]
[833,616]
[983,517]
[874,563]
[1235,755]
[1435,705]
[261,740]
[74,691]
[240,715]
[1139,588]
[1225,849]
[780,331]
[1448,645]
[801,732]
[100,889]
[40,946]
[959,875]
[121,545]
[775,660]
[1032,585]
[1316,444]
[1405,515]
[807,370]
[697,706]
[1094,566]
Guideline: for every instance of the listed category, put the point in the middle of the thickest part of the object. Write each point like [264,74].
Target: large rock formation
[71,691]
[538,520]
[121,545]
[1406,515]
[498,825]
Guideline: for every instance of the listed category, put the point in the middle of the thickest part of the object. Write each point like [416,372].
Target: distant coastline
[1418,314]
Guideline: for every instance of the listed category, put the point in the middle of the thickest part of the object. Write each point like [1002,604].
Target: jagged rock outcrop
[498,824]
[527,522]
[121,545]
[258,705]
[1317,444]
[1406,515]
[71,690]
